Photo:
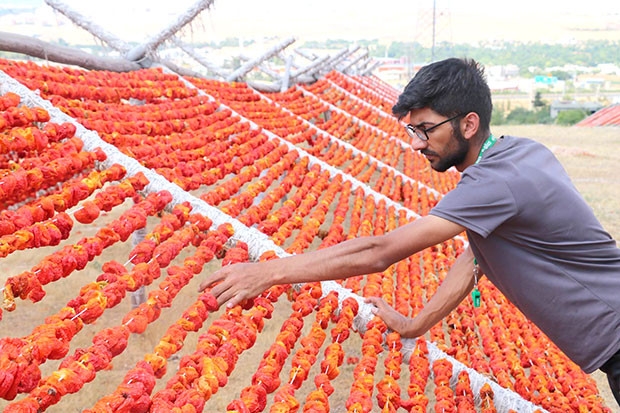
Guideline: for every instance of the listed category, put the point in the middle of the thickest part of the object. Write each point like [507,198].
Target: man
[530,232]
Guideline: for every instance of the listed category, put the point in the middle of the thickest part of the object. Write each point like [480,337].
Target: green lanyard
[486,145]
[475,294]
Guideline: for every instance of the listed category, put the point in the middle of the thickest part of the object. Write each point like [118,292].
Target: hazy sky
[404,20]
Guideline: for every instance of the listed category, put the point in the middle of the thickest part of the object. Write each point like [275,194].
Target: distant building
[609,69]
[559,106]
[396,72]
[503,78]
[502,72]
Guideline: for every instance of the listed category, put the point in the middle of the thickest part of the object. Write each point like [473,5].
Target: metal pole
[433,45]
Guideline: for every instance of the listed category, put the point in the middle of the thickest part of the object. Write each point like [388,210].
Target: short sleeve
[480,202]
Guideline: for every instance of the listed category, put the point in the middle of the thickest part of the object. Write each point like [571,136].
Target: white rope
[366,89]
[384,134]
[139,296]
[313,160]
[356,151]
[504,399]
[257,242]
[355,183]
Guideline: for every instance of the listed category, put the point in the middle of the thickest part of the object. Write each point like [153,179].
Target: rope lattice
[217,171]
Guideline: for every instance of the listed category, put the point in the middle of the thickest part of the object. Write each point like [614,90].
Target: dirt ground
[589,154]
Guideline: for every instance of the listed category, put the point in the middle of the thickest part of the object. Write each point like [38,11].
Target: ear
[470,125]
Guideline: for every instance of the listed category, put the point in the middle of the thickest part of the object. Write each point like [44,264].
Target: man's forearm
[235,283]
[347,259]
[455,287]
[365,255]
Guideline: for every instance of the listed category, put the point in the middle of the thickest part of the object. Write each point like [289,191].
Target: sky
[405,20]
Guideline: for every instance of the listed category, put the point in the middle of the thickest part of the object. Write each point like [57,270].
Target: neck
[474,151]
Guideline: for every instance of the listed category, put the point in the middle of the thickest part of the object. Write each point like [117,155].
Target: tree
[497,117]
[570,117]
[538,102]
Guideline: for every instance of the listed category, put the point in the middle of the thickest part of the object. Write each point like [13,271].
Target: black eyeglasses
[422,133]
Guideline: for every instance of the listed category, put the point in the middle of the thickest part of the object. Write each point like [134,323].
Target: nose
[418,144]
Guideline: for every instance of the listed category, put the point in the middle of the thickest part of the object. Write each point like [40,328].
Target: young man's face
[445,146]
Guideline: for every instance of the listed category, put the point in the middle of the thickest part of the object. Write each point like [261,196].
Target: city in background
[575,69]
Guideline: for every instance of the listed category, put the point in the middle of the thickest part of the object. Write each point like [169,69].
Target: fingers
[206,284]
[223,287]
[378,302]
[213,279]
[383,310]
[234,284]
[213,301]
[237,299]
[224,294]
[372,300]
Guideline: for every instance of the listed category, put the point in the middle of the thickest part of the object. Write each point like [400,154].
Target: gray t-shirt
[538,241]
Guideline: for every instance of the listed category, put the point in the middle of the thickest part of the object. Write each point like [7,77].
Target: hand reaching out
[233,284]
[392,318]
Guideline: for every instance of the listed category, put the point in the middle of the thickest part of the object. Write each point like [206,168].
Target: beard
[455,153]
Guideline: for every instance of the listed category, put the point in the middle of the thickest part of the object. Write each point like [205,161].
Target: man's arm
[454,288]
[364,255]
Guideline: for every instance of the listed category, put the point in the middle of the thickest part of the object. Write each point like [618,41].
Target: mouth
[429,156]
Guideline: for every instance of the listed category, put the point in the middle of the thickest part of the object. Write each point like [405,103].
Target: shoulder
[513,146]
[509,156]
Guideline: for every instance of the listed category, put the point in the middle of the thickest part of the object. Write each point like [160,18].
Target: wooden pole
[349,52]
[265,87]
[306,55]
[311,68]
[216,70]
[248,66]
[363,65]
[10,42]
[284,57]
[140,52]
[353,62]
[180,70]
[370,68]
[85,23]
[331,62]
[287,74]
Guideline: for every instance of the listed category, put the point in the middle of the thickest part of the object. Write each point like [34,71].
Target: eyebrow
[422,125]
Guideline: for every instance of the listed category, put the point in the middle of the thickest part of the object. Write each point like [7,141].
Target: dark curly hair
[448,87]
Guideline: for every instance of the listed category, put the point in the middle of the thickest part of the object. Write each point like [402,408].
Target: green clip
[475,296]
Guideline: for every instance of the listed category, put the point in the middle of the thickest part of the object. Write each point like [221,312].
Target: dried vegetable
[307,167]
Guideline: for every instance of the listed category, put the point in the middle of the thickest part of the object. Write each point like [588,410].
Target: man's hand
[392,318]
[454,288]
[236,283]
